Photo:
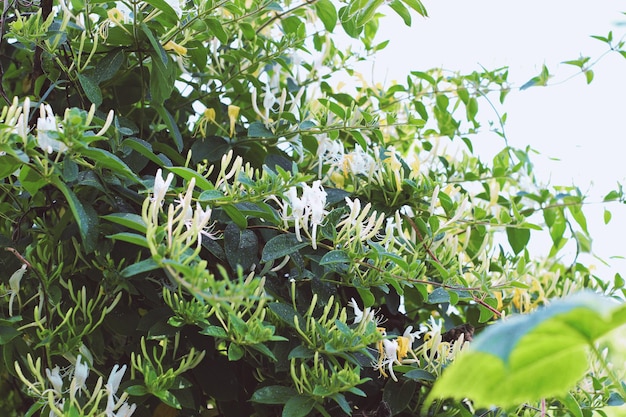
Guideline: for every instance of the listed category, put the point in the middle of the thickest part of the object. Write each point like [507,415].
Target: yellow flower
[404,344]
[173,46]
[207,116]
[233,114]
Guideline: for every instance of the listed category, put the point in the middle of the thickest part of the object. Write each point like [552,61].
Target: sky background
[578,129]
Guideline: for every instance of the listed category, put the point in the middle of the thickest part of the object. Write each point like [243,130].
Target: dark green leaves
[518,238]
[280,246]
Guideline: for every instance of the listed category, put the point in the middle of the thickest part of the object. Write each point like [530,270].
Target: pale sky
[579,124]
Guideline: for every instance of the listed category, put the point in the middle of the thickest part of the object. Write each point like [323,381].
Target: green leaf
[171,124]
[572,405]
[134,238]
[419,375]
[214,331]
[187,174]
[348,23]
[168,398]
[7,334]
[298,406]
[143,148]
[109,65]
[273,394]
[539,80]
[518,238]
[240,246]
[130,220]
[146,265]
[607,216]
[161,55]
[217,29]
[286,313]
[327,13]
[167,10]
[83,221]
[258,130]
[532,356]
[31,180]
[402,11]
[235,352]
[334,257]
[236,216]
[106,159]
[367,12]
[417,6]
[439,295]
[91,89]
[398,397]
[281,246]
[136,390]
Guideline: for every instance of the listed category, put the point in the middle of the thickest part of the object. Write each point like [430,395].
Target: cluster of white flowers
[115,406]
[307,210]
[49,127]
[332,153]
[182,214]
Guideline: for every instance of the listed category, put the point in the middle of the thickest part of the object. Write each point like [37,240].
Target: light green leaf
[402,11]
[327,13]
[235,352]
[417,6]
[533,356]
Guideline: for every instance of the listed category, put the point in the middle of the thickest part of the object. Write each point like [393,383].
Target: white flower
[81,372]
[14,285]
[124,411]
[388,357]
[115,378]
[358,162]
[55,379]
[161,186]
[47,129]
[364,316]
[112,385]
[306,209]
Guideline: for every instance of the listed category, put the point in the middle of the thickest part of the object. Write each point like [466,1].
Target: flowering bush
[200,212]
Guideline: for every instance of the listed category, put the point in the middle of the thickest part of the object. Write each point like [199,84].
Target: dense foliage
[200,220]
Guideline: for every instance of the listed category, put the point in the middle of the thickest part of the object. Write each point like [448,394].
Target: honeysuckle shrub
[198,219]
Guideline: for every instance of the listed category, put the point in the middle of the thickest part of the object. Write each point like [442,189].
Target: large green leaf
[273,394]
[280,246]
[529,357]
[83,220]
